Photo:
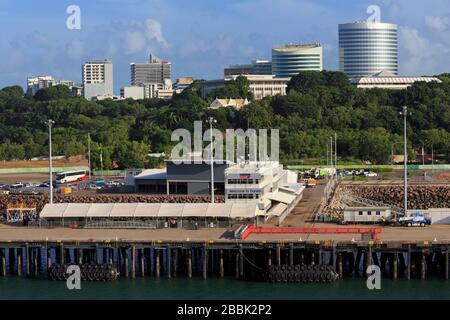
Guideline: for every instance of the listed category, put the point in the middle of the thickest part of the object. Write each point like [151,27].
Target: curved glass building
[289,60]
[368,48]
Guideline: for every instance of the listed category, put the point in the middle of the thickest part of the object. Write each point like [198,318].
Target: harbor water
[147,288]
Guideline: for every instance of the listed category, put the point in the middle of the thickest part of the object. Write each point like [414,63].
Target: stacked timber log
[38,201]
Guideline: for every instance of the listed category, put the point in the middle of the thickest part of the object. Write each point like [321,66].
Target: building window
[378,213]
[360,213]
[369,213]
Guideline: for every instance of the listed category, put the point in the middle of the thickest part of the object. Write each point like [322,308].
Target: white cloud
[134,41]
[154,32]
[419,55]
[437,23]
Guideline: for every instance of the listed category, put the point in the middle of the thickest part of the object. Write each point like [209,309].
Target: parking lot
[37,183]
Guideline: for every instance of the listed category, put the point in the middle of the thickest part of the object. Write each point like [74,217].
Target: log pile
[38,201]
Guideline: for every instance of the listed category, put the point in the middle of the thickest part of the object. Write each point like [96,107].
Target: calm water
[151,288]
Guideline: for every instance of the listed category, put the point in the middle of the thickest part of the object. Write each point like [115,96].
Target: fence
[328,192]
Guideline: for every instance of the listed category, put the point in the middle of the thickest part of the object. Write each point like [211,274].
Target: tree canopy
[367,122]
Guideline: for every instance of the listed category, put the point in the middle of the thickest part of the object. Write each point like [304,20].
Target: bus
[70,176]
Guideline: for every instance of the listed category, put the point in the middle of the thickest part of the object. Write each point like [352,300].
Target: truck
[415,220]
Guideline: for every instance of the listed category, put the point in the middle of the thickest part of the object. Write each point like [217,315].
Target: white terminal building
[254,193]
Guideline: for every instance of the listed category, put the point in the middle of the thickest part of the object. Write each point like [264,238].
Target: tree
[53,93]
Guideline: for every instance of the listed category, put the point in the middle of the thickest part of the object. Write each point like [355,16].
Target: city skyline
[236,32]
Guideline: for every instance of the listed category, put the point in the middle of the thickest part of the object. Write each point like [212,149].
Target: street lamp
[405,113]
[50,164]
[211,120]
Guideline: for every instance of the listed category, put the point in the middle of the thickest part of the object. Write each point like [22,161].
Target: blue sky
[200,37]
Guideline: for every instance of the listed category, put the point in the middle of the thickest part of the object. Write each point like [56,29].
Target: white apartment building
[34,84]
[98,79]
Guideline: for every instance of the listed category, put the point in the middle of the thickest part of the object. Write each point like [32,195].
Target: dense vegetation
[367,122]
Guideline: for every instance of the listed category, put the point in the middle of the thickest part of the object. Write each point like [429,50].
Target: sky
[201,37]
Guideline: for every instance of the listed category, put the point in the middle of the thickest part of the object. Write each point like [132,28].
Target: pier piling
[126,262]
[3,261]
[395,266]
[19,262]
[27,258]
[340,266]
[291,254]
[158,265]
[278,255]
[142,262]
[221,268]
[133,261]
[169,261]
[205,262]
[423,266]
[189,264]
[408,267]
[446,265]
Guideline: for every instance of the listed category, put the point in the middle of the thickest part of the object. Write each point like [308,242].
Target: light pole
[432,157]
[405,113]
[423,154]
[89,155]
[335,151]
[211,120]
[50,164]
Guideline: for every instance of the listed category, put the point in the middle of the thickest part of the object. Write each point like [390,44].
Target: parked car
[370,174]
[99,182]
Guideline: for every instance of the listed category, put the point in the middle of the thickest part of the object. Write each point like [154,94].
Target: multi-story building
[133,92]
[155,71]
[263,67]
[98,79]
[34,84]
[368,48]
[289,60]
[182,83]
[260,182]
[262,86]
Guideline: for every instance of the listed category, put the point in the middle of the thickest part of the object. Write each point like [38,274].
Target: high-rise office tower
[98,78]
[368,48]
[155,71]
[289,60]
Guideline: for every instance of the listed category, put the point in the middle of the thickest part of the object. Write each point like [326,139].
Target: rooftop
[294,47]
